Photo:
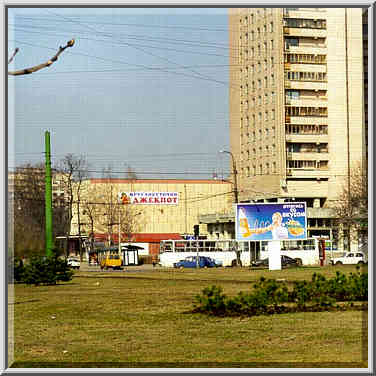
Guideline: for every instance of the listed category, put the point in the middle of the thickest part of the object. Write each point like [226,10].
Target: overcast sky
[146,88]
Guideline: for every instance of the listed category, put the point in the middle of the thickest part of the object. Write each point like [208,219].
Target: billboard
[272,221]
[149,198]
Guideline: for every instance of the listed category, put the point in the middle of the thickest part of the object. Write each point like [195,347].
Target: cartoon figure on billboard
[279,231]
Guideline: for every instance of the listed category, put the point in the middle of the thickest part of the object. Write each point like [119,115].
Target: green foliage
[46,270]
[212,301]
[270,296]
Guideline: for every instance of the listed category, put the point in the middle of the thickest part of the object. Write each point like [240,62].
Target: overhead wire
[152,54]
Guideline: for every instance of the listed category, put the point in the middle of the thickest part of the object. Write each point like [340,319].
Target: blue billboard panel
[271,221]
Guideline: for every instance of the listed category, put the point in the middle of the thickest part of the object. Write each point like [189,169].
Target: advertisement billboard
[149,198]
[272,221]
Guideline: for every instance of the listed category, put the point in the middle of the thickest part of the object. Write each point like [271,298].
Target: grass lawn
[142,319]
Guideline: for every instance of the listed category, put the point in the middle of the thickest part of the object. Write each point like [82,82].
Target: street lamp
[235,174]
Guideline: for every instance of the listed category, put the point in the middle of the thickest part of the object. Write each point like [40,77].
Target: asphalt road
[131,268]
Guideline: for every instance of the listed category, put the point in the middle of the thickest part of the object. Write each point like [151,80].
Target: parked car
[218,263]
[285,261]
[350,258]
[191,262]
[74,262]
[111,261]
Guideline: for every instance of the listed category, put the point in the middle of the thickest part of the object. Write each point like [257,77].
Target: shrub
[212,301]
[270,296]
[46,270]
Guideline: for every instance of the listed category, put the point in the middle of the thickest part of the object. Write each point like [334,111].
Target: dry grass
[142,320]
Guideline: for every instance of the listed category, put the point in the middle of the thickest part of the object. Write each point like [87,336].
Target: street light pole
[119,231]
[235,174]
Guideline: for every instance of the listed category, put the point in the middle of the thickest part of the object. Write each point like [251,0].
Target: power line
[137,25]
[199,76]
[154,55]
[193,43]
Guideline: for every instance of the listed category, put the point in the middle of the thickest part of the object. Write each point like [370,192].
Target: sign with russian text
[149,198]
[271,221]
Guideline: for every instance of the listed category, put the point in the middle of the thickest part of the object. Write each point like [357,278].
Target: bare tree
[40,66]
[75,170]
[91,208]
[351,208]
[27,191]
[114,212]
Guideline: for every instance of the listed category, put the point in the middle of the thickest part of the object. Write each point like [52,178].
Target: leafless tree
[114,211]
[351,208]
[40,66]
[75,170]
[27,202]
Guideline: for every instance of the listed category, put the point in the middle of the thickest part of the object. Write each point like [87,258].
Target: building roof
[158,181]
[143,238]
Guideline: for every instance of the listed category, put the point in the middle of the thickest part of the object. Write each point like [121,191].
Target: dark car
[285,261]
[191,262]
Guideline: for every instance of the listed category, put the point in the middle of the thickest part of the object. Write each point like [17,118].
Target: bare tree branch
[40,66]
[14,54]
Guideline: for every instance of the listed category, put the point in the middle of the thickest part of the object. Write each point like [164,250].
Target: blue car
[191,262]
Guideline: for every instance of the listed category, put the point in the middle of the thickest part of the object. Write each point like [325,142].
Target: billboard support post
[274,252]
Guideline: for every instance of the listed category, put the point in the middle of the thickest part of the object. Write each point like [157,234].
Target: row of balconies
[302,32]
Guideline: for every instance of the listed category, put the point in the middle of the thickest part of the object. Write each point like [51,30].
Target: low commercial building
[146,210]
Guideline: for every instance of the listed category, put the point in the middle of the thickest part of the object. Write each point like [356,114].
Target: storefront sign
[149,198]
[271,221]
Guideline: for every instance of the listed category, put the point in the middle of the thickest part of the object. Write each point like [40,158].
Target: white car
[350,258]
[74,262]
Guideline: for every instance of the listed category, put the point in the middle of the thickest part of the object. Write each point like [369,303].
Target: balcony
[306,138]
[304,32]
[307,173]
[308,49]
[322,102]
[307,13]
[305,85]
[307,120]
[307,156]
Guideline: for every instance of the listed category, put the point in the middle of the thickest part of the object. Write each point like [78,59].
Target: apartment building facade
[298,114]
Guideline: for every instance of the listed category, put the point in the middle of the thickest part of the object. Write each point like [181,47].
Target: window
[272,79]
[271,27]
[292,94]
[291,42]
[273,114]
[266,99]
[273,97]
[272,44]
[266,81]
[272,61]
[274,167]
[259,100]
[266,115]
[259,84]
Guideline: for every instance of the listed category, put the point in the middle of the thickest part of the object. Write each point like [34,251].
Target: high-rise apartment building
[297,102]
